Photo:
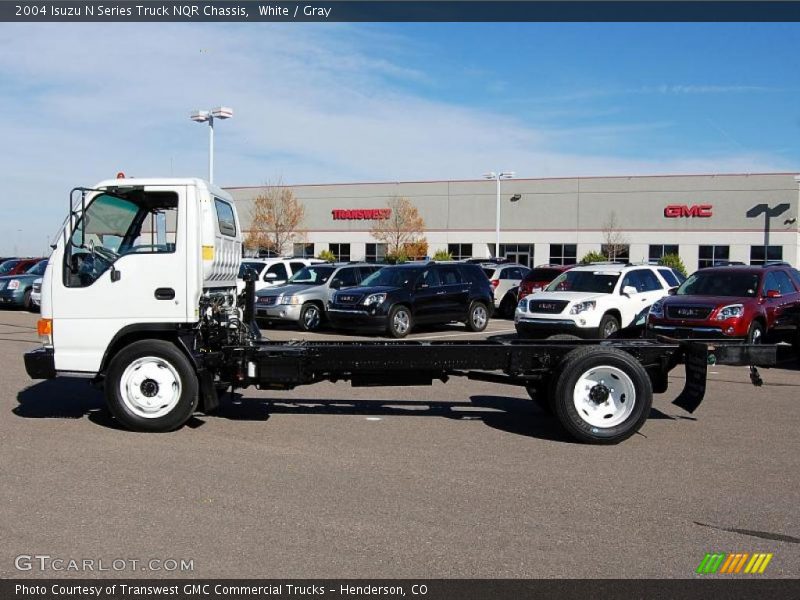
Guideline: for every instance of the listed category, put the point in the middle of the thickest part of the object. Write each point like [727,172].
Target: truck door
[124,263]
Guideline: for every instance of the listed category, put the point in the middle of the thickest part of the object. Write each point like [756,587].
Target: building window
[519,253]
[563,254]
[710,256]
[303,251]
[759,257]
[376,253]
[460,251]
[659,251]
[340,251]
[616,252]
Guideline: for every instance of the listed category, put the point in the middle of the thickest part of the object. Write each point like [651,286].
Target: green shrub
[327,255]
[593,256]
[674,261]
[442,255]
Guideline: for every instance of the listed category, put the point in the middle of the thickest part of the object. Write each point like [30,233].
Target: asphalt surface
[465,479]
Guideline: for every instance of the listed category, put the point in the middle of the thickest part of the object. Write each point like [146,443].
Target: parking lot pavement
[465,479]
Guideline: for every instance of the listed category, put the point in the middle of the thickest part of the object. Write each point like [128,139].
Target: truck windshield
[584,281]
[112,226]
[392,277]
[720,284]
[312,275]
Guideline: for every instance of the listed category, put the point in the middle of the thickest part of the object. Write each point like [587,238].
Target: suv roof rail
[609,262]
[775,263]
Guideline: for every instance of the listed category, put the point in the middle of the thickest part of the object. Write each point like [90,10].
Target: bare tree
[276,220]
[402,230]
[615,243]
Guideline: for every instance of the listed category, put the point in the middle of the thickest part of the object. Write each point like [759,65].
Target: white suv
[272,271]
[593,301]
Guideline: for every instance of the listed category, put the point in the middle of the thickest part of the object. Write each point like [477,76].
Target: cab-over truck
[140,296]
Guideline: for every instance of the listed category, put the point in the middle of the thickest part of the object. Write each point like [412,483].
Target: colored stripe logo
[734,563]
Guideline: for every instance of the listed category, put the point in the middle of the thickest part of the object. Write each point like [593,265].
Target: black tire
[124,407]
[589,362]
[755,333]
[263,323]
[609,325]
[310,317]
[541,396]
[477,317]
[400,322]
[507,306]
[27,304]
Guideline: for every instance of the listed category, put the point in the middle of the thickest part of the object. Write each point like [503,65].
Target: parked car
[539,278]
[36,295]
[305,296]
[593,301]
[273,271]
[505,279]
[16,290]
[397,298]
[17,266]
[740,302]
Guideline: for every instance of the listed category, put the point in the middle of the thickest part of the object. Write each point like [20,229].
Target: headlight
[657,309]
[732,311]
[522,304]
[291,300]
[581,307]
[374,299]
[13,284]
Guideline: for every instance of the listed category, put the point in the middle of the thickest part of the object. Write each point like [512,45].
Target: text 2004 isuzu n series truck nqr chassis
[140,295]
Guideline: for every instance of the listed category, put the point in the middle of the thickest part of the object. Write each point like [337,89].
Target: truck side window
[280,272]
[225,218]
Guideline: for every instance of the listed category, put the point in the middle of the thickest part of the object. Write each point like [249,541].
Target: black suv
[397,298]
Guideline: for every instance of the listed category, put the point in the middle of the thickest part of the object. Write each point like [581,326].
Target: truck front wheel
[602,395]
[151,386]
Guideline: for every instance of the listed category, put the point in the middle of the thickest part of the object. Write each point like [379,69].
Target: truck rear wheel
[602,395]
[151,386]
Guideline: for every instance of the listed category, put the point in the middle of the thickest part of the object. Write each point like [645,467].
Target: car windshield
[256,266]
[313,275]
[7,266]
[720,284]
[598,282]
[392,277]
[37,269]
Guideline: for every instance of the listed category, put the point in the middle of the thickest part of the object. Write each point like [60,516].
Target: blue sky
[344,102]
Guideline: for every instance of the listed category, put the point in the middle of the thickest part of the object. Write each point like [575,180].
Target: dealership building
[746,218]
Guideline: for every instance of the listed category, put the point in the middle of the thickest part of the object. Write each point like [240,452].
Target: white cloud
[313,104]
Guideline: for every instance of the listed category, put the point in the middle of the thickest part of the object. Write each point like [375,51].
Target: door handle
[164,294]
[440,293]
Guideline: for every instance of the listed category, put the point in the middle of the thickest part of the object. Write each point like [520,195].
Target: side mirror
[773,294]
[270,276]
[629,291]
[673,290]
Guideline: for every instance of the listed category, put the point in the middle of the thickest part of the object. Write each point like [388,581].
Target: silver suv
[304,298]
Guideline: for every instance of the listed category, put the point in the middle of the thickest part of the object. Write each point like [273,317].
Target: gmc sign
[369,214]
[676,211]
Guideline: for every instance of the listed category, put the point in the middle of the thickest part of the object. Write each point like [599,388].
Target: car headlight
[291,300]
[374,300]
[13,284]
[732,311]
[580,307]
[522,304]
[657,309]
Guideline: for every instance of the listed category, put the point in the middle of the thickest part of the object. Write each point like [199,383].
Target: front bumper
[12,297]
[684,332]
[40,363]
[531,326]
[279,312]
[348,318]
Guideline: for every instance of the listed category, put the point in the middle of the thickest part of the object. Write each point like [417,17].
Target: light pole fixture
[497,177]
[769,212]
[208,116]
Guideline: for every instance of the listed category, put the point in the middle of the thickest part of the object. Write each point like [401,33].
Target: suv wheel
[310,317]
[400,322]
[609,325]
[478,317]
[755,335]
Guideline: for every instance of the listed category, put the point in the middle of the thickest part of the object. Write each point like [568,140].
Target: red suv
[539,278]
[744,302]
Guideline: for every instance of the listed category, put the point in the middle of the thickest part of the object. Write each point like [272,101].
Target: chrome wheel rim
[150,387]
[604,396]
[479,317]
[401,321]
[610,328]
[756,337]
[311,317]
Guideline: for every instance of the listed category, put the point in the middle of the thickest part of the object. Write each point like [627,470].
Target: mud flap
[695,357]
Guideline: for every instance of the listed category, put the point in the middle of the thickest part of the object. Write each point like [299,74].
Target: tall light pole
[497,177]
[208,116]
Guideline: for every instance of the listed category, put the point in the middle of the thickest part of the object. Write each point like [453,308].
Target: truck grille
[688,312]
[550,307]
[347,298]
[267,300]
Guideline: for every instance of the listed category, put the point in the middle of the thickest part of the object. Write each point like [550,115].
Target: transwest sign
[676,211]
[361,214]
